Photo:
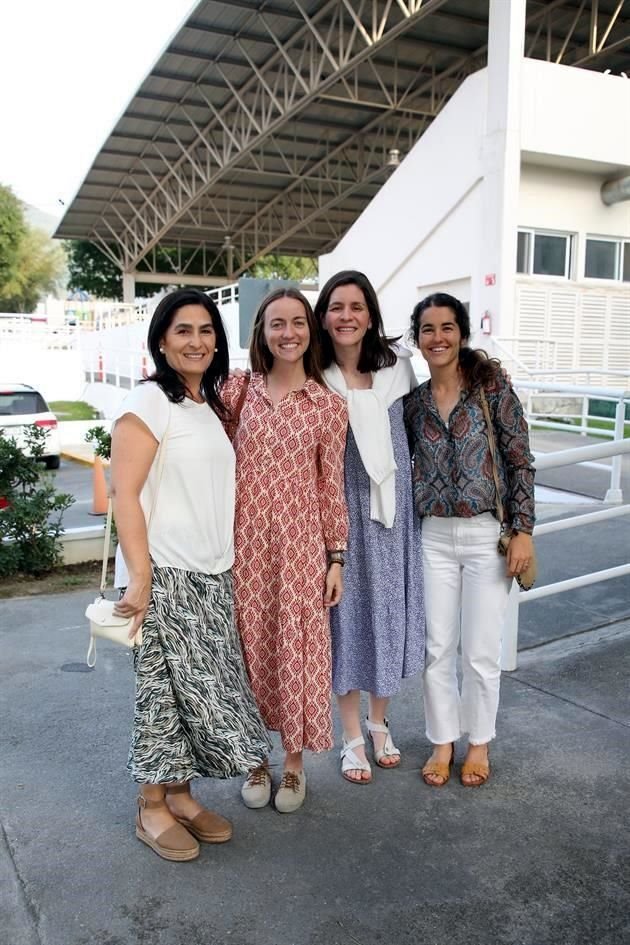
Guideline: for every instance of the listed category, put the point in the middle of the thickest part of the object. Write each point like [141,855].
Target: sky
[68,70]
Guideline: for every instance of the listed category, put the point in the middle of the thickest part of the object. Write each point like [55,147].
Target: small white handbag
[103,622]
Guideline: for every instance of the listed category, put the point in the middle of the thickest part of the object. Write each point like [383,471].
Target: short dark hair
[476,367]
[377,350]
[260,356]
[164,375]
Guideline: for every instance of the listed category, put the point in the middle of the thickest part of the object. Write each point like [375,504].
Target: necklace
[446,403]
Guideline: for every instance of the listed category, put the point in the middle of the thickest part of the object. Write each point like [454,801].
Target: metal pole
[584,429]
[614,493]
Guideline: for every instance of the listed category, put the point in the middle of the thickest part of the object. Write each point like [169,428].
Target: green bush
[102,441]
[31,524]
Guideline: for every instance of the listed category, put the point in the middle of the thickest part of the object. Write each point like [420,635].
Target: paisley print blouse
[452,465]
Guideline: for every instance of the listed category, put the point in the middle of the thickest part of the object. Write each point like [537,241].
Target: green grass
[73,410]
[593,426]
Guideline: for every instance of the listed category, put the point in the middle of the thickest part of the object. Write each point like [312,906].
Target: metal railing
[509,658]
[619,397]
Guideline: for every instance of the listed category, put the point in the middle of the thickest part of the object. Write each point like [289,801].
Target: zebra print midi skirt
[195,715]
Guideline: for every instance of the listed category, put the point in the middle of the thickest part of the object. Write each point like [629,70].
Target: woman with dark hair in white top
[173,481]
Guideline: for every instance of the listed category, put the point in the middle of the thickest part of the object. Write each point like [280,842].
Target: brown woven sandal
[479,769]
[206,826]
[174,843]
[439,769]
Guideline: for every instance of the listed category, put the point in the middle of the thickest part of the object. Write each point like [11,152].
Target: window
[15,403]
[544,254]
[607,259]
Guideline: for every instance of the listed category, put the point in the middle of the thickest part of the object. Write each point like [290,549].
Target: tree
[275,266]
[30,263]
[93,272]
[38,267]
[89,270]
[12,230]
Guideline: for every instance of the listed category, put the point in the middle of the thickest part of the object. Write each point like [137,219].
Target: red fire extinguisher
[486,323]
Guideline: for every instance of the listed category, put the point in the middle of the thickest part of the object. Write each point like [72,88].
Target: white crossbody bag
[104,623]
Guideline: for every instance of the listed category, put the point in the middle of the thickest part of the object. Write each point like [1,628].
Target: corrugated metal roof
[268,126]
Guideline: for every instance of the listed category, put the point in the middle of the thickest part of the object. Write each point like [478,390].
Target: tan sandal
[174,843]
[206,826]
[479,769]
[438,769]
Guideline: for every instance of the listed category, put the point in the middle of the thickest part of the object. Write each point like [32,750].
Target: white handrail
[580,454]
[612,393]
[509,657]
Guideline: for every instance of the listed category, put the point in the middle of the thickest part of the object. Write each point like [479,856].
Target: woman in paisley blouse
[466,581]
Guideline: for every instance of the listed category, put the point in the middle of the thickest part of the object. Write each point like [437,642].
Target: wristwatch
[336,557]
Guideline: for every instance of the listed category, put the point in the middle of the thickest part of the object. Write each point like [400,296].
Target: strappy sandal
[205,826]
[438,769]
[351,761]
[388,749]
[479,769]
[174,843]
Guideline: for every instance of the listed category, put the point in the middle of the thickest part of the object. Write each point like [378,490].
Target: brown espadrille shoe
[206,826]
[174,843]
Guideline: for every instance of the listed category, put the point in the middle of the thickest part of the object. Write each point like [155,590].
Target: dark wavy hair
[377,350]
[260,356]
[476,367]
[169,380]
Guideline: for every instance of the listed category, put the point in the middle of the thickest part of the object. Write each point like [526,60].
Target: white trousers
[466,593]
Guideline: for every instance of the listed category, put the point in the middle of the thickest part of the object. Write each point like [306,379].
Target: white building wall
[424,229]
[421,226]
[575,114]
[577,322]
[560,199]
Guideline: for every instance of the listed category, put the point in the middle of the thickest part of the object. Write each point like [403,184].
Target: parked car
[21,406]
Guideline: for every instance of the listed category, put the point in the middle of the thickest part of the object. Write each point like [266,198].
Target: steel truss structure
[269,126]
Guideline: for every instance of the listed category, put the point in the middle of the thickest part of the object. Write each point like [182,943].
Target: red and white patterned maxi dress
[290,508]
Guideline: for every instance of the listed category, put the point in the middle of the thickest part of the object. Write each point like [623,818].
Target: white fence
[517,598]
[619,397]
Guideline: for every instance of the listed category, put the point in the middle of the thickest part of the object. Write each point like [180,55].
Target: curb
[80,457]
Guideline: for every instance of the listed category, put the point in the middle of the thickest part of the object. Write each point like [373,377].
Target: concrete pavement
[539,856]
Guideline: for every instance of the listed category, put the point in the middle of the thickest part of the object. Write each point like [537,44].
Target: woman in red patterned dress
[291,530]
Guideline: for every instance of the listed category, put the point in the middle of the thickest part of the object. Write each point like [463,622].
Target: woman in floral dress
[291,530]
[378,631]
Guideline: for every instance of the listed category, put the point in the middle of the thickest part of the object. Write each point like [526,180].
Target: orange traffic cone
[99,488]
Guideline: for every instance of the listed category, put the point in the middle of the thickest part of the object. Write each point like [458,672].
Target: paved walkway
[539,856]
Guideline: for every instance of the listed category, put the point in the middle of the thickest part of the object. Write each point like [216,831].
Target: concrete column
[129,287]
[493,288]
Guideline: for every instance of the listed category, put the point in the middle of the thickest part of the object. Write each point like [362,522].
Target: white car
[21,406]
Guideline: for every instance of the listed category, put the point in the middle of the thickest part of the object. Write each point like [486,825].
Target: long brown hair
[164,375]
[377,349]
[476,367]
[260,356]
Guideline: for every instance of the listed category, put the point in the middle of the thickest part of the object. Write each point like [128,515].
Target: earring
[161,350]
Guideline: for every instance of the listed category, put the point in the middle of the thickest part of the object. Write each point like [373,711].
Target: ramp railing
[617,449]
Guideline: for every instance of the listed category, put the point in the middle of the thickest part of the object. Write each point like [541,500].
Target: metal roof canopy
[269,126]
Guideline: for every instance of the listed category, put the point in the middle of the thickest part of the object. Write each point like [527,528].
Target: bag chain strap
[492,445]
